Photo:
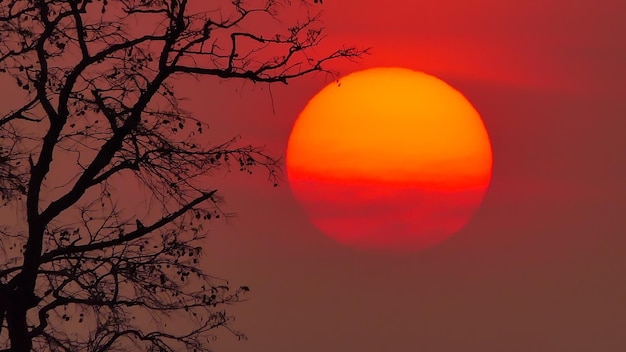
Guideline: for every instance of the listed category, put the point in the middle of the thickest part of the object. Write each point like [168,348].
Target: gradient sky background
[541,267]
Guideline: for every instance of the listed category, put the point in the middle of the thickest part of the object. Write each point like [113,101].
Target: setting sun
[389,158]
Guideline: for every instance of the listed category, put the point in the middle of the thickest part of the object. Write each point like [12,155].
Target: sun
[389,159]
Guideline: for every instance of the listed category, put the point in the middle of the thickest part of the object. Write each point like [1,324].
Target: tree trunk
[22,298]
[18,328]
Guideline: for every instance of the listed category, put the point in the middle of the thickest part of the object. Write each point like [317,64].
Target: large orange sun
[389,159]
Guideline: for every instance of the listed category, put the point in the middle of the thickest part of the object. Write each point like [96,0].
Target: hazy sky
[541,267]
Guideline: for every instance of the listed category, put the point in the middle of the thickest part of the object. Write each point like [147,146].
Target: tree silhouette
[80,271]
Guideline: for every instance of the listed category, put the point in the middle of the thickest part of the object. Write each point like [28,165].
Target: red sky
[539,268]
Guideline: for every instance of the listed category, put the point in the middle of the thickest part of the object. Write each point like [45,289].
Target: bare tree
[84,273]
